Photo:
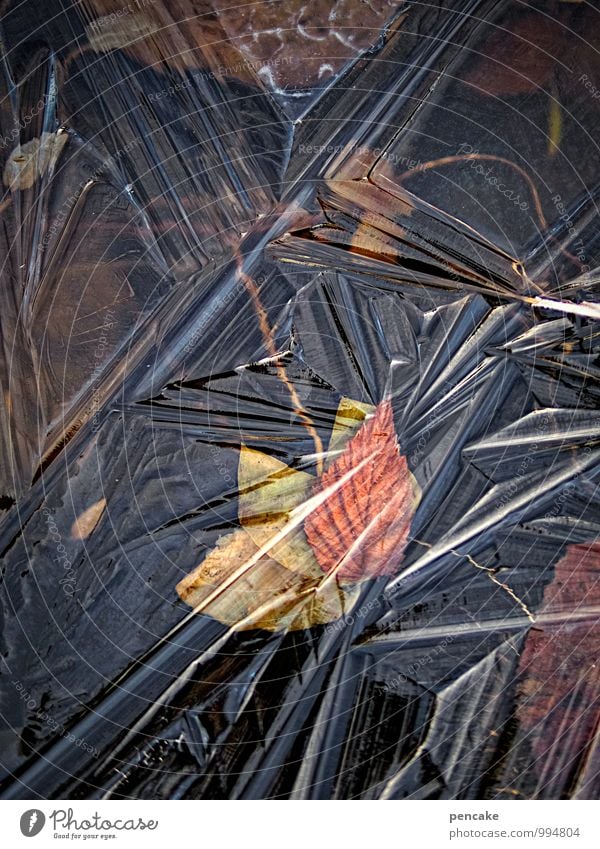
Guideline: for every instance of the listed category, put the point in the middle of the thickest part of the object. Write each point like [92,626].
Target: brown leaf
[558,673]
[360,527]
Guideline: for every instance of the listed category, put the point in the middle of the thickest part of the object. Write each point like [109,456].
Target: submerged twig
[490,573]
[267,336]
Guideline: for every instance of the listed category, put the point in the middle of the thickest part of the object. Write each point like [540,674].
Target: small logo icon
[32,822]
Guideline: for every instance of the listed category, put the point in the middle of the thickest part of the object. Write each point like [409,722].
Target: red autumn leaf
[558,672]
[360,527]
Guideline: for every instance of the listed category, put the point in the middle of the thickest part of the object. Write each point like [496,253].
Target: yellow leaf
[269,491]
[265,574]
[350,416]
[240,588]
